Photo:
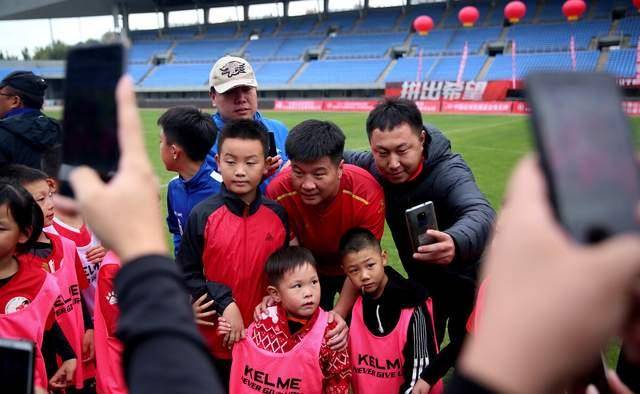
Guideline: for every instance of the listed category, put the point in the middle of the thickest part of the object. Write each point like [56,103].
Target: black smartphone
[421,218]
[90,124]
[586,151]
[17,365]
[273,149]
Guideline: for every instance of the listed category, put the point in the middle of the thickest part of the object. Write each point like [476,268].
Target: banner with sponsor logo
[436,90]
[492,107]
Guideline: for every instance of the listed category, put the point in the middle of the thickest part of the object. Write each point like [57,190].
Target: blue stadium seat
[556,37]
[136,35]
[526,63]
[180,33]
[433,43]
[266,27]
[141,52]
[221,30]
[552,11]
[204,50]
[176,75]
[622,63]
[379,19]
[276,72]
[344,21]
[44,71]
[475,37]
[447,68]
[294,47]
[602,8]
[263,48]
[406,69]
[298,25]
[368,45]
[342,72]
[630,27]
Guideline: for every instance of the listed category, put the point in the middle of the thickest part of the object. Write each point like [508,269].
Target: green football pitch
[490,144]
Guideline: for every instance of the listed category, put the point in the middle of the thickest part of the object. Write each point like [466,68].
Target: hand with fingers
[441,251]
[337,337]
[96,254]
[261,308]
[203,311]
[88,346]
[63,377]
[233,317]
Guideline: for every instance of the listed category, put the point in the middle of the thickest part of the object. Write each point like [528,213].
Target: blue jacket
[183,195]
[276,127]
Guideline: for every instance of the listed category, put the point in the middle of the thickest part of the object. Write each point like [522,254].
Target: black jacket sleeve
[86,314]
[464,201]
[60,343]
[190,260]
[360,159]
[163,351]
[460,384]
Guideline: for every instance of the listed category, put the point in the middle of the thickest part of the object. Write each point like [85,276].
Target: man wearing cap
[27,136]
[233,91]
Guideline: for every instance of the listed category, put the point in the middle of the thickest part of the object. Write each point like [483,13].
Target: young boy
[286,350]
[230,236]
[186,136]
[392,339]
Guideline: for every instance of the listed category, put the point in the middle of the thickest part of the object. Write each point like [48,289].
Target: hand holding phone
[421,218]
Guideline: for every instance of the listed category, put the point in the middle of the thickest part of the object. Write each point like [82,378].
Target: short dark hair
[245,129]
[22,174]
[191,129]
[24,210]
[358,239]
[286,260]
[28,100]
[314,139]
[391,113]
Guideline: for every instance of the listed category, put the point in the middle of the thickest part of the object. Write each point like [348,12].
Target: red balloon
[423,24]
[636,3]
[468,16]
[573,9]
[516,10]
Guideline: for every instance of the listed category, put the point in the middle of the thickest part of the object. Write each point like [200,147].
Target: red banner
[355,105]
[298,105]
[520,107]
[428,106]
[492,107]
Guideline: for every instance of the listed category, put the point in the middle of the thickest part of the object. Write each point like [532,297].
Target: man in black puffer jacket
[27,136]
[414,164]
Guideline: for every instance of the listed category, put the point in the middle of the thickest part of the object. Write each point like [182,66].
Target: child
[109,374]
[286,349]
[58,256]
[186,136]
[392,337]
[27,294]
[230,236]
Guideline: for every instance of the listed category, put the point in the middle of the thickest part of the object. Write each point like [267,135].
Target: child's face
[365,269]
[10,234]
[166,153]
[242,165]
[41,192]
[299,291]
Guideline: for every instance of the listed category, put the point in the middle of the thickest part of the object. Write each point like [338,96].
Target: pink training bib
[377,362]
[29,322]
[109,375]
[297,371]
[68,308]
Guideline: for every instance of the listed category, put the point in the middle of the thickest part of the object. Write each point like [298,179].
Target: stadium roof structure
[36,9]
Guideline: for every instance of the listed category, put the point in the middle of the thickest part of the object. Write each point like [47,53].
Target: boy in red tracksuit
[392,338]
[287,346]
[230,236]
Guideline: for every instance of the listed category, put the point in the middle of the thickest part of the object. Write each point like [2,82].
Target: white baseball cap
[229,72]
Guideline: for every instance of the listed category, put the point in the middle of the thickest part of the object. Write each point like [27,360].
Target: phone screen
[90,113]
[587,149]
[16,367]
[273,149]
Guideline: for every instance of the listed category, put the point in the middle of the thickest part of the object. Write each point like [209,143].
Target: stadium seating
[406,69]
[263,48]
[276,72]
[342,72]
[630,27]
[368,45]
[137,35]
[204,50]
[344,21]
[176,75]
[602,8]
[622,63]
[181,33]
[379,19]
[137,71]
[474,37]
[141,52]
[294,47]
[556,37]
[265,27]
[221,30]
[298,25]
[525,63]
[433,43]
[446,68]
[551,11]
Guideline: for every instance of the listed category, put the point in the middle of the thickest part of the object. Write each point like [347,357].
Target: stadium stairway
[387,70]
[485,68]
[298,72]
[603,59]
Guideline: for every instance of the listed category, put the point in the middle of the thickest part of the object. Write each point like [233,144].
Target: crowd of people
[279,282]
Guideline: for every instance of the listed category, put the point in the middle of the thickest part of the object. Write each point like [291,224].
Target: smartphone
[586,151]
[90,113]
[17,363]
[273,149]
[421,218]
